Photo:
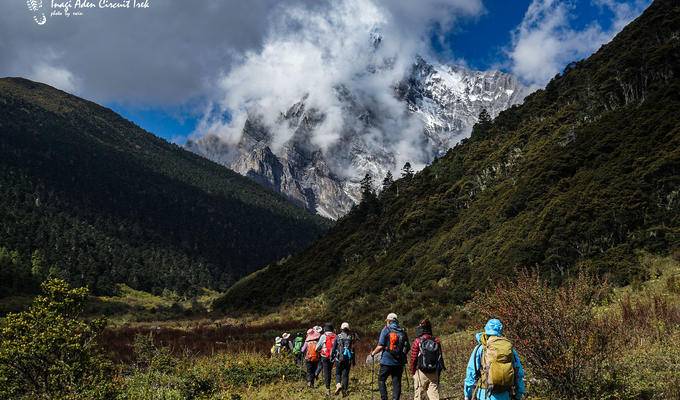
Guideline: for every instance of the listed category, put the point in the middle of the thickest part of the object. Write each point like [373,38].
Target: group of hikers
[494,370]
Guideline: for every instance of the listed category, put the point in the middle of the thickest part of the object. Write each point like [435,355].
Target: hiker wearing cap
[325,347]
[494,370]
[427,362]
[393,342]
[343,356]
[310,353]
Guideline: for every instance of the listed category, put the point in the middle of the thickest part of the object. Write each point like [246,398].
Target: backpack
[396,342]
[429,355]
[344,348]
[297,345]
[276,349]
[312,355]
[284,346]
[328,346]
[498,372]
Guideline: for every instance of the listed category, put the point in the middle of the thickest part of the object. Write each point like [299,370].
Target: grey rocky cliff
[441,101]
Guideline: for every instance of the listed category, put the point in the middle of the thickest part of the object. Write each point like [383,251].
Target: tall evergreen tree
[367,191]
[407,171]
[483,124]
[388,181]
[484,117]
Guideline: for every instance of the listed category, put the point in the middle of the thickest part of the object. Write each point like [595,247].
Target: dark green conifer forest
[99,201]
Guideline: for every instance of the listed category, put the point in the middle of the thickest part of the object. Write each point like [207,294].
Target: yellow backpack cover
[498,373]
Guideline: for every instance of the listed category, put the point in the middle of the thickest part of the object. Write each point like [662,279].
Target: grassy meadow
[606,342]
[584,339]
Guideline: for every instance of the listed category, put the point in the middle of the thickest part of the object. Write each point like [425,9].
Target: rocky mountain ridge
[441,101]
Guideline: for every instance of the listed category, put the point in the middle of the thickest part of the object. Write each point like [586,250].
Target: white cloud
[545,42]
[60,78]
[364,46]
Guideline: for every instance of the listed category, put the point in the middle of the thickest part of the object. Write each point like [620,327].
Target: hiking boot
[338,388]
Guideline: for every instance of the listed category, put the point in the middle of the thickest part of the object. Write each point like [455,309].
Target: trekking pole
[372,371]
[408,381]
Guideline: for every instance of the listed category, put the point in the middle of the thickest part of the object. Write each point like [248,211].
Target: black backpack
[344,347]
[284,346]
[429,355]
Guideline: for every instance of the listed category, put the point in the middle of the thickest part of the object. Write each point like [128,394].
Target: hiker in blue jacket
[475,388]
[394,344]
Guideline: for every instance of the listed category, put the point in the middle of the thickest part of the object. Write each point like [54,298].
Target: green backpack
[297,345]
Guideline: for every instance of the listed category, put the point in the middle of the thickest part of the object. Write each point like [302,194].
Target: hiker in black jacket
[343,355]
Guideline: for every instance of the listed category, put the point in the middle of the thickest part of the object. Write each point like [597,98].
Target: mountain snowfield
[440,104]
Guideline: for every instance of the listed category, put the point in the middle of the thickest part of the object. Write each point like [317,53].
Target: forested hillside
[583,176]
[93,198]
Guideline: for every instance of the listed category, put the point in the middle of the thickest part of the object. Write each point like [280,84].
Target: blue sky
[483,41]
[174,124]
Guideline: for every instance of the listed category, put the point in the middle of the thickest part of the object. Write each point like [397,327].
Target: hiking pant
[342,374]
[426,385]
[311,371]
[395,371]
[327,366]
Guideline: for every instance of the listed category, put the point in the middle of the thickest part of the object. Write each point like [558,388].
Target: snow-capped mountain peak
[439,105]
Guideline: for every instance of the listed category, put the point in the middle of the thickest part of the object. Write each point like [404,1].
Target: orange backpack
[396,344]
[312,355]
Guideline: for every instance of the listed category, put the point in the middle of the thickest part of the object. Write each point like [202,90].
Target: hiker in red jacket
[427,362]
[325,348]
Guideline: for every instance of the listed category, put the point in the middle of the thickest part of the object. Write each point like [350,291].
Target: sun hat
[278,340]
[391,317]
[285,335]
[318,329]
[344,326]
[312,335]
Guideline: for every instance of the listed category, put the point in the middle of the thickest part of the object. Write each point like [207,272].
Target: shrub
[554,329]
[148,356]
[649,317]
[195,378]
[157,374]
[247,369]
[647,371]
[47,352]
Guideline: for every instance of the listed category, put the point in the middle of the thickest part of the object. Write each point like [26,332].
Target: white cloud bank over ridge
[309,53]
[545,41]
[58,77]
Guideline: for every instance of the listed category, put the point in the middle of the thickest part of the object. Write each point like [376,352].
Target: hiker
[494,371]
[394,341]
[276,348]
[286,344]
[311,355]
[325,347]
[427,362]
[298,342]
[343,356]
